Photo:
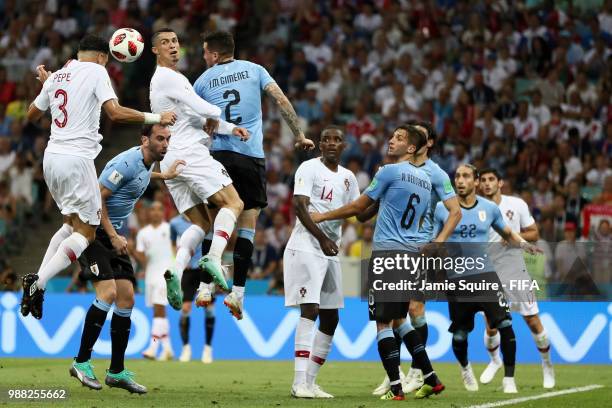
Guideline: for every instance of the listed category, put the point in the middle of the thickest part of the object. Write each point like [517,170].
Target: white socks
[67,252]
[492,345]
[320,349]
[191,238]
[238,290]
[223,228]
[303,345]
[160,334]
[541,340]
[60,235]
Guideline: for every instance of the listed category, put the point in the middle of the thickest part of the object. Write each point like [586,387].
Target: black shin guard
[120,334]
[184,329]
[460,349]
[243,251]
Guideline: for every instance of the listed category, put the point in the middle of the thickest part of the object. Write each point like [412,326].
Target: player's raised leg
[230,206]
[186,247]
[117,375]
[243,251]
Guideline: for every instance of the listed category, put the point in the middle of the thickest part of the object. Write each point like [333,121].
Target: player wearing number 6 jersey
[203,179]
[75,95]
[236,87]
[404,192]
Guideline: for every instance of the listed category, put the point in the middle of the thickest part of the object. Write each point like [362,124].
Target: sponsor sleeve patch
[115,177]
[448,187]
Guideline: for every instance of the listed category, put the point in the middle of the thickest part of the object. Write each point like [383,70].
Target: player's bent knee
[416,309]
[209,313]
[418,321]
[309,311]
[504,323]
[460,336]
[186,309]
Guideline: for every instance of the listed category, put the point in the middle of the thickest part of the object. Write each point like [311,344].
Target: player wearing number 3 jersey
[75,95]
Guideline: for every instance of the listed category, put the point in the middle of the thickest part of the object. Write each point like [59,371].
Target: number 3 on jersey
[228,107]
[62,107]
[329,196]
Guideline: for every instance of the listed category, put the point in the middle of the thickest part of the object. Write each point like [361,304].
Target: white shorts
[201,177]
[310,278]
[155,293]
[73,184]
[522,301]
[528,308]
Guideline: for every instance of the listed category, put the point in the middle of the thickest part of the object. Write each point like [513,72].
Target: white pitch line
[537,397]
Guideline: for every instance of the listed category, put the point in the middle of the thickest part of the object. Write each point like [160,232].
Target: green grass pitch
[267,384]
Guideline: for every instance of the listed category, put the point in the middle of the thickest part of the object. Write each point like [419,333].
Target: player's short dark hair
[221,42]
[147,130]
[428,126]
[158,32]
[333,128]
[490,170]
[416,137]
[93,43]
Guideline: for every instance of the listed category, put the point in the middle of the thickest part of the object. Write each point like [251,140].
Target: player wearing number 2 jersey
[236,87]
[203,179]
[75,95]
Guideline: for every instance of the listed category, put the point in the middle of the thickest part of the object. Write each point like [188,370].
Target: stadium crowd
[521,86]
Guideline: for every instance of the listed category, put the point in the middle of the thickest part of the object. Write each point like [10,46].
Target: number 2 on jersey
[62,107]
[228,107]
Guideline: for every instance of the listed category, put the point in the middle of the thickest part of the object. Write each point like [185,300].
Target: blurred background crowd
[521,86]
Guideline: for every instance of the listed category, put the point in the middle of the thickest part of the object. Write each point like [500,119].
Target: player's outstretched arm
[34,113]
[369,213]
[515,239]
[347,211]
[171,173]
[121,114]
[289,115]
[454,216]
[300,203]
[119,242]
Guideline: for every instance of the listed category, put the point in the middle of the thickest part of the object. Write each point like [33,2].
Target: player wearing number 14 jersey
[236,87]
[75,95]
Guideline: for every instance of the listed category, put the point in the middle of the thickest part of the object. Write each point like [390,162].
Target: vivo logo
[72,325]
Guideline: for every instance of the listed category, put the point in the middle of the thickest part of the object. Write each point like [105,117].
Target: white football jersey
[171,91]
[327,191]
[516,214]
[75,95]
[157,247]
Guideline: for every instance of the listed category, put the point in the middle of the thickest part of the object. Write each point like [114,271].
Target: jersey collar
[469,208]
[226,62]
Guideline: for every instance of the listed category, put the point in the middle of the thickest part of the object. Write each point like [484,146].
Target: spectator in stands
[362,248]
[265,260]
[278,234]
[597,175]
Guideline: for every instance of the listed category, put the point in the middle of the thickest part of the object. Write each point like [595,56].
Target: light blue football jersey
[236,87]
[472,232]
[441,190]
[404,192]
[127,177]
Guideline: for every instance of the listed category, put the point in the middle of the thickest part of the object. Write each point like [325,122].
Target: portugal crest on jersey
[482,215]
[510,214]
[347,184]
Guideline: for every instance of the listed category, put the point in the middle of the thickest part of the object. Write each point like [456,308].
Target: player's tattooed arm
[454,216]
[347,211]
[369,213]
[300,203]
[119,242]
[288,113]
